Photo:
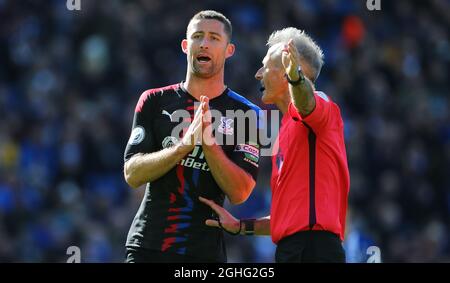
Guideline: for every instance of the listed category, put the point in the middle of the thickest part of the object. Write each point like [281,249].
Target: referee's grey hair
[308,49]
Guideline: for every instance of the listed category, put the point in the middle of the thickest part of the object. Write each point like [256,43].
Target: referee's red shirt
[310,179]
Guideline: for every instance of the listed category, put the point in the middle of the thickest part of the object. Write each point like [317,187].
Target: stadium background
[69,81]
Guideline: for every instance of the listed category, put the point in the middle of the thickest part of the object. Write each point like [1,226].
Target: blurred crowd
[69,82]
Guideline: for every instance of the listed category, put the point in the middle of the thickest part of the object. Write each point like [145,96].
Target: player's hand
[207,128]
[290,58]
[228,221]
[193,135]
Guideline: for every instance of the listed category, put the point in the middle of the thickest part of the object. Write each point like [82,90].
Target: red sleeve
[319,117]
[292,110]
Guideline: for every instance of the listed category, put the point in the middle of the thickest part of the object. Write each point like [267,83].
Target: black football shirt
[171,218]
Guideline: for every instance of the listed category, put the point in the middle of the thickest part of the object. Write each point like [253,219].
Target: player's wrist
[248,226]
[210,146]
[238,226]
[209,142]
[183,148]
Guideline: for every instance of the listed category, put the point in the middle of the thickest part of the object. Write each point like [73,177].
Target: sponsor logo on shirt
[169,141]
[137,135]
[251,157]
[251,152]
[251,162]
[195,160]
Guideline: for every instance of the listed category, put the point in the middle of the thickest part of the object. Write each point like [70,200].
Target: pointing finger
[210,203]
[212,223]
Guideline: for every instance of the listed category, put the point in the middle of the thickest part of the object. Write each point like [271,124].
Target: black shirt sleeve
[246,155]
[141,138]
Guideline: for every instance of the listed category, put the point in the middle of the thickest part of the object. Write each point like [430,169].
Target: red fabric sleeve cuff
[293,112]
[316,115]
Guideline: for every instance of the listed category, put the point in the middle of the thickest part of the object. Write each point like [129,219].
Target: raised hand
[290,59]
[207,136]
[193,135]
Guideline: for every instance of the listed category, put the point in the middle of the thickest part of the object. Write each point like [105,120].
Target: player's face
[206,47]
[271,76]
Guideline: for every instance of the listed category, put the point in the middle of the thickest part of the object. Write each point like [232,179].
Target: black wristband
[300,80]
[249,225]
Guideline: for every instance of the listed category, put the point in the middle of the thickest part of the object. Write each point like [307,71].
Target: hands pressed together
[200,130]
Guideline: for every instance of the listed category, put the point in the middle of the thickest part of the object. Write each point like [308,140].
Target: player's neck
[211,87]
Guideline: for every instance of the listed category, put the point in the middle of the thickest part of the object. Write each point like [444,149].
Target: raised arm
[301,88]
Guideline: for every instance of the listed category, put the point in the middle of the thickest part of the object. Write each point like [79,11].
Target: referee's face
[271,75]
[207,46]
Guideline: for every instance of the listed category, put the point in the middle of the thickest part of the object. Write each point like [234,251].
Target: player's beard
[204,70]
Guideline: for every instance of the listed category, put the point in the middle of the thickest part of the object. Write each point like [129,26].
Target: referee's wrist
[296,79]
[248,226]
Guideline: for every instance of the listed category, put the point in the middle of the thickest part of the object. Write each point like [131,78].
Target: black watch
[249,225]
[300,80]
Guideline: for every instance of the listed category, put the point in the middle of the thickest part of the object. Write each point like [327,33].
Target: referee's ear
[184,46]
[230,50]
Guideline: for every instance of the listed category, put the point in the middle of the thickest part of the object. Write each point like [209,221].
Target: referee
[310,178]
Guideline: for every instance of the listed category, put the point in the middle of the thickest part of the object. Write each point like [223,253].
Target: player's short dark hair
[214,15]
